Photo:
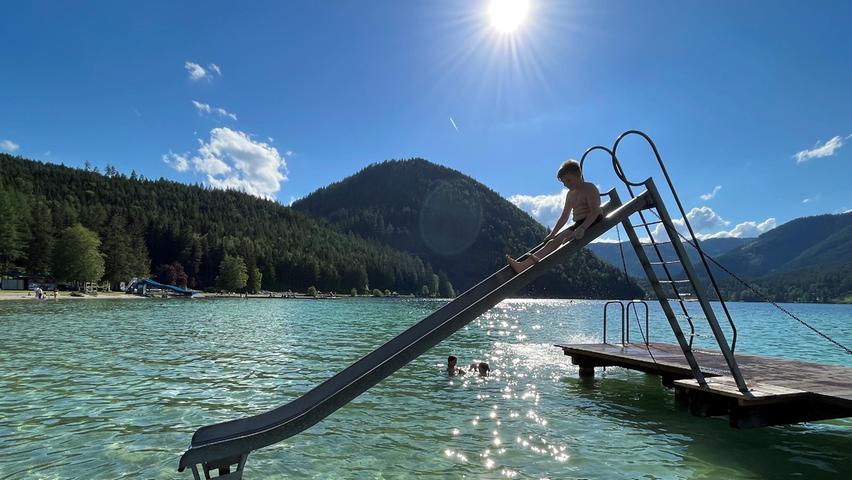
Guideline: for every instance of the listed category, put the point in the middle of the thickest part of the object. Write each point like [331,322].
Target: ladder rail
[726,348]
[685,345]
[617,167]
[620,173]
[727,351]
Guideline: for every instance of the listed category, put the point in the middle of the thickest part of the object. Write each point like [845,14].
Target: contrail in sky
[454,124]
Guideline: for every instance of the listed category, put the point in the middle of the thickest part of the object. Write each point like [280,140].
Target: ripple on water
[116,389]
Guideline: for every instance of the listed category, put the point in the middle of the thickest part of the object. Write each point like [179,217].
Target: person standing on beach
[583,199]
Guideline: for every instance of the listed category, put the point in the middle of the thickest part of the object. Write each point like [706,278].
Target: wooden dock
[781,391]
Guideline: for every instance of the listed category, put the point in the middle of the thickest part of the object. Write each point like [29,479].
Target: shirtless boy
[583,198]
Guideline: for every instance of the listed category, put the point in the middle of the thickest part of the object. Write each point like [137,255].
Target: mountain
[611,253]
[807,242]
[193,226]
[805,260]
[455,224]
[823,284]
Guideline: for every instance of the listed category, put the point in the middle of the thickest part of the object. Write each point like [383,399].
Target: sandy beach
[28,295]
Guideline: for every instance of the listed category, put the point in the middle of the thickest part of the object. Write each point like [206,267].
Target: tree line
[60,223]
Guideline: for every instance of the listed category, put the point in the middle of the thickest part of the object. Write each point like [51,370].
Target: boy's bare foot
[517,266]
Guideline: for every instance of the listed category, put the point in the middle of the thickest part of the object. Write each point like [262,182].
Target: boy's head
[451,361]
[570,173]
[484,369]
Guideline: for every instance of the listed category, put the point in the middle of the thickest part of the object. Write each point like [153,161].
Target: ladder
[673,293]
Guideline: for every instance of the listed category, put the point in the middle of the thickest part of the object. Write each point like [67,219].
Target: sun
[508,15]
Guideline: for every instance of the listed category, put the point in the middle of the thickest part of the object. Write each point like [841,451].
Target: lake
[115,389]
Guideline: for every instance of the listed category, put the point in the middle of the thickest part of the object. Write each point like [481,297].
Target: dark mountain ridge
[454,223]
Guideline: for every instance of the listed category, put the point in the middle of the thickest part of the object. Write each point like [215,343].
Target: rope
[621,249]
[763,296]
[779,307]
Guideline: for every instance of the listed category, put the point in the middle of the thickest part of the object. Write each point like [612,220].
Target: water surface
[115,389]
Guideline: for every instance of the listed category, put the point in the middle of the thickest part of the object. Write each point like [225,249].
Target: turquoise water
[115,389]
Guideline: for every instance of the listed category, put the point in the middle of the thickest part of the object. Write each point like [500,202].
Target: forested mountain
[822,240]
[610,253]
[184,232]
[454,223]
[805,260]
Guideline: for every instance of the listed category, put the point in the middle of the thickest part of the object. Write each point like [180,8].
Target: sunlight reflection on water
[114,389]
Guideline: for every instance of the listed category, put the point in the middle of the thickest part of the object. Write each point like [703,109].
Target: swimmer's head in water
[483,369]
[451,361]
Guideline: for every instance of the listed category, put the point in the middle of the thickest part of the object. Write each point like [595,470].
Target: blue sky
[750,100]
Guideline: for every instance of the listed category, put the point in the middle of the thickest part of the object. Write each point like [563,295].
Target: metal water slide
[222,449]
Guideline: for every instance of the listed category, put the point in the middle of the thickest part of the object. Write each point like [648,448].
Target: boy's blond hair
[569,166]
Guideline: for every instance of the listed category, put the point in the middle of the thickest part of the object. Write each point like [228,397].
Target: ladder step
[669,262]
[648,224]
[673,281]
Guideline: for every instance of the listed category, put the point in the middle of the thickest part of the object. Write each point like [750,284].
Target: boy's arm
[594,198]
[566,212]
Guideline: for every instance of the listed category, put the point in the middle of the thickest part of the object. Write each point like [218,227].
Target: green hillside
[821,240]
[454,223]
[144,225]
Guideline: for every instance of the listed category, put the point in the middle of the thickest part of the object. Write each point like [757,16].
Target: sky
[749,102]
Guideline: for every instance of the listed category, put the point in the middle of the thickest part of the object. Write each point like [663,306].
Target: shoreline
[21,295]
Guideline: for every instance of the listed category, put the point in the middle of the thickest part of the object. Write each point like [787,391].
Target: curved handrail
[616,166]
[606,309]
[647,333]
[620,172]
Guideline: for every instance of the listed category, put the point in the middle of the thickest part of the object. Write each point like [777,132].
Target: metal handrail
[606,308]
[633,303]
[616,165]
[620,173]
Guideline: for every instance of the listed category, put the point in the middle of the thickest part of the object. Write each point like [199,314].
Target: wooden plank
[768,376]
[761,392]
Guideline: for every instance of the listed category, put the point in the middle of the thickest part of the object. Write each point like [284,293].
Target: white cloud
[176,161]
[810,199]
[544,208]
[289,153]
[711,195]
[210,165]
[9,146]
[196,71]
[232,160]
[215,68]
[827,149]
[207,108]
[745,229]
[607,240]
[708,224]
[453,122]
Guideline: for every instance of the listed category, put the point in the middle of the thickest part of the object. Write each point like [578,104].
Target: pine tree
[40,247]
[12,245]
